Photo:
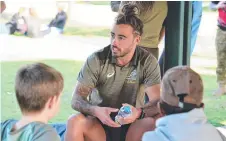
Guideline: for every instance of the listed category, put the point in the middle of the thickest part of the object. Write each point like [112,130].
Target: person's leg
[4,29]
[221,63]
[196,20]
[138,128]
[84,128]
[60,31]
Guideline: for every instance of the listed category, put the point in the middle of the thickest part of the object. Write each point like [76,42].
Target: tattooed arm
[81,104]
[79,100]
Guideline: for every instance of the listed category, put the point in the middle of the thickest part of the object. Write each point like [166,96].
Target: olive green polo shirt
[116,84]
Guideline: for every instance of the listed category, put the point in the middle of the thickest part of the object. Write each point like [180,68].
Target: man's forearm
[82,105]
[150,109]
[80,102]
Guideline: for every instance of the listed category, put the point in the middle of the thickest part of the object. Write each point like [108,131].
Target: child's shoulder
[6,127]
[32,131]
[41,131]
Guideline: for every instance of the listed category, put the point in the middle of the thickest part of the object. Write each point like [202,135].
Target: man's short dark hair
[128,15]
[35,84]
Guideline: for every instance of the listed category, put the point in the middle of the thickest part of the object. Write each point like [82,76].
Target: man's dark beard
[121,55]
[116,55]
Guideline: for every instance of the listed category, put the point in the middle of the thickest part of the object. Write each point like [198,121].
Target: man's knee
[146,124]
[82,121]
[76,126]
[78,120]
[138,128]
[80,126]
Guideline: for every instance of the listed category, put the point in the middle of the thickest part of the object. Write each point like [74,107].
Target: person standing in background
[220,42]
[58,23]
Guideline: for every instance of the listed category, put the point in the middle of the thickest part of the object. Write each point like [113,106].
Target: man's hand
[151,109]
[130,119]
[103,114]
[221,4]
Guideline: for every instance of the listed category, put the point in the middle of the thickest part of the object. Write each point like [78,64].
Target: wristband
[142,115]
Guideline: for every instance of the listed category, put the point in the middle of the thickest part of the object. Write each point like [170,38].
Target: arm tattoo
[79,100]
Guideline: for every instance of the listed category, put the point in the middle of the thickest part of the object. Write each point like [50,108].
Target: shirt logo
[132,77]
[110,74]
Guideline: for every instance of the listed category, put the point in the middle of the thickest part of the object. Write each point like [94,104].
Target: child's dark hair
[35,84]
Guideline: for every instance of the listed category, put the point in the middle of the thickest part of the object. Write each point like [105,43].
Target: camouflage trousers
[221,56]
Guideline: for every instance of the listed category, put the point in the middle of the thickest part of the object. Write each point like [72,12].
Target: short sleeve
[89,73]
[151,71]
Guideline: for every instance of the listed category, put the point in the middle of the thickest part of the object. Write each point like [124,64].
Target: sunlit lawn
[215,108]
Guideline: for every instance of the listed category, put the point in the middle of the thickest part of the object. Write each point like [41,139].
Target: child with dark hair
[38,90]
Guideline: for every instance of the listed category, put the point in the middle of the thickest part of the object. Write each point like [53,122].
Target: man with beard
[111,78]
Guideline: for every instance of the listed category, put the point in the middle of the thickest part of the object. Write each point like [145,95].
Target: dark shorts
[115,134]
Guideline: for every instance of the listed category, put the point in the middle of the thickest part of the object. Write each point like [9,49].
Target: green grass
[214,106]
[9,108]
[206,55]
[87,31]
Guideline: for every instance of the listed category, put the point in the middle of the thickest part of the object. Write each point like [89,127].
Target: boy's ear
[51,102]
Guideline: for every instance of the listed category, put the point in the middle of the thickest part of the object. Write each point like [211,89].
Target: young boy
[181,105]
[38,89]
